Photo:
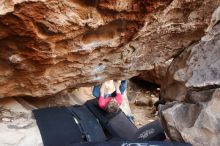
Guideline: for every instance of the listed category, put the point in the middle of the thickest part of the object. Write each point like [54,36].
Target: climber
[112,103]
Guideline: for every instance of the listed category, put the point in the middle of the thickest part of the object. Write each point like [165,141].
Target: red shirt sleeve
[118,98]
[103,102]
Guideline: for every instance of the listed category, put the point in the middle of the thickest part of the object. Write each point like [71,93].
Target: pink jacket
[103,102]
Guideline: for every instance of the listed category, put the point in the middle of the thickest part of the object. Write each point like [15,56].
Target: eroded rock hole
[92,3]
[44,29]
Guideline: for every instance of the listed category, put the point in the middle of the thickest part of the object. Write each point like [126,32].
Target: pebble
[150,120]
[6,119]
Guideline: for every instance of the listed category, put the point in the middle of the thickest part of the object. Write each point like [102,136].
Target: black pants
[118,125]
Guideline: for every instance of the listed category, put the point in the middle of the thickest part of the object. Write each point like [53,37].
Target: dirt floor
[142,96]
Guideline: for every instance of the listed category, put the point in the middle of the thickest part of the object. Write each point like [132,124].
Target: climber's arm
[118,96]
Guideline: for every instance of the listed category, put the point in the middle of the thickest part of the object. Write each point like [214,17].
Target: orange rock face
[47,46]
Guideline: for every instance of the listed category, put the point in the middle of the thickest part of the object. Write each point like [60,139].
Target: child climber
[110,104]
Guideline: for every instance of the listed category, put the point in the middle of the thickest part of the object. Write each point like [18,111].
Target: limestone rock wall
[197,68]
[192,83]
[47,46]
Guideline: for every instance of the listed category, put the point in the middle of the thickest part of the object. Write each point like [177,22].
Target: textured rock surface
[157,74]
[196,123]
[193,81]
[48,46]
[17,126]
[196,69]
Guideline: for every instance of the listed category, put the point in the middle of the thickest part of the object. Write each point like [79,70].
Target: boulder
[192,87]
[157,74]
[47,46]
[17,125]
[195,123]
[143,101]
[196,69]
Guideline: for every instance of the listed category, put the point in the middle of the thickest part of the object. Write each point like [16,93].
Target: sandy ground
[142,92]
